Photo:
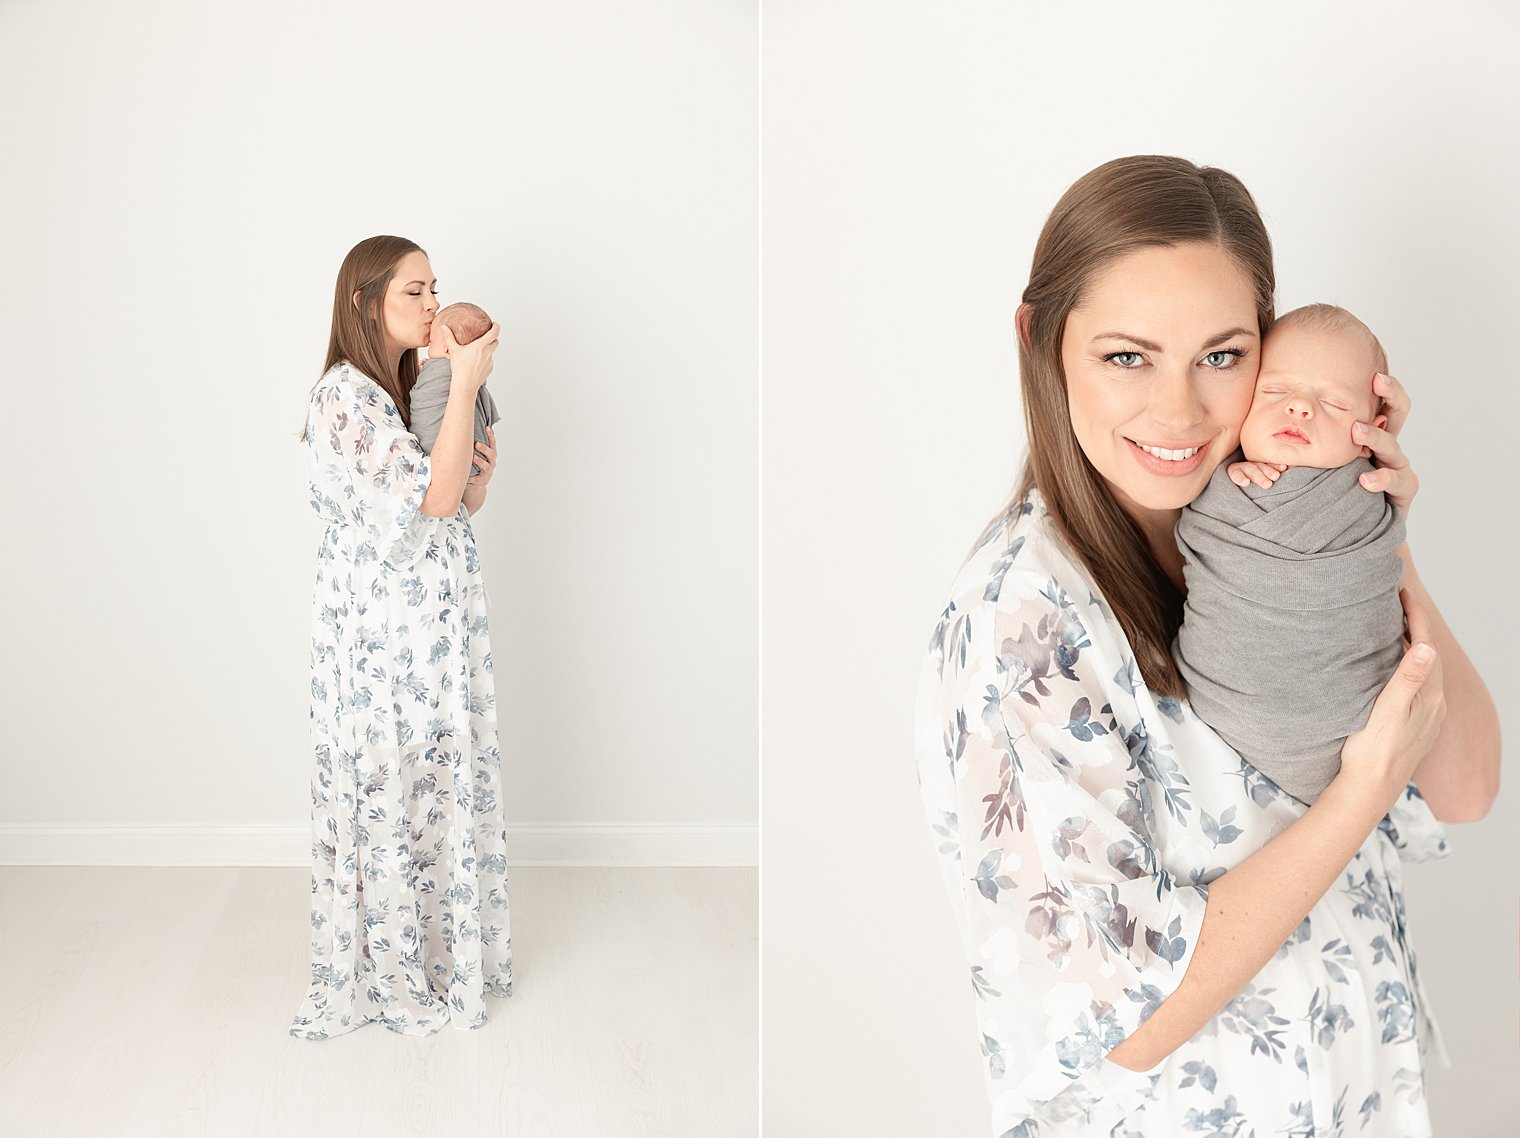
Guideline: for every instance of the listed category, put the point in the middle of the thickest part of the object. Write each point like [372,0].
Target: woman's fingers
[1415,668]
[1415,618]
[1393,475]
[1421,661]
[1395,401]
[476,357]
[1381,441]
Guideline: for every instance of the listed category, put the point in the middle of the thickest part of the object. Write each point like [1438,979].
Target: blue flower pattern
[409,911]
[1078,821]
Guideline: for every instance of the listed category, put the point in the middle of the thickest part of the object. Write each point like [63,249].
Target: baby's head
[1317,364]
[467,321]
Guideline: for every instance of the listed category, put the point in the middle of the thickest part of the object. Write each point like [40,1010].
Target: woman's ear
[1022,320]
[356,299]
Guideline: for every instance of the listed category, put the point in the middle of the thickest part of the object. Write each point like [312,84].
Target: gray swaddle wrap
[1292,623]
[430,398]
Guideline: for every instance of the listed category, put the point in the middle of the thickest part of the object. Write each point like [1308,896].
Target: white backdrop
[182,182]
[911,152]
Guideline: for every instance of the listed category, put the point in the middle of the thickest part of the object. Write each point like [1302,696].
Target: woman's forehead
[414,268]
[1180,292]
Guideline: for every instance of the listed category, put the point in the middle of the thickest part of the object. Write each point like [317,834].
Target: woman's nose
[1175,402]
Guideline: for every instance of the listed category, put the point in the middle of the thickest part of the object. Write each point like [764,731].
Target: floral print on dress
[1078,821]
[409,912]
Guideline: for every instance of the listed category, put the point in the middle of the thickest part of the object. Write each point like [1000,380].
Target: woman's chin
[1161,495]
[1177,493]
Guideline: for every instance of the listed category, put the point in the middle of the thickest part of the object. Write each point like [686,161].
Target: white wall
[912,151]
[182,182]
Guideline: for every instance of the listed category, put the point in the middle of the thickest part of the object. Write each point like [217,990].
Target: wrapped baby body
[1292,623]
[430,399]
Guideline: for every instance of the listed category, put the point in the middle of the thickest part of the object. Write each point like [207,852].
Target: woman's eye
[1222,359]
[1124,359]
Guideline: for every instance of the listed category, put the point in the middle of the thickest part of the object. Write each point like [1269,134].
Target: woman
[1161,940]
[409,871]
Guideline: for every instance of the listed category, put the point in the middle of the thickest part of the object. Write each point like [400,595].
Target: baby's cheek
[1252,436]
[1339,451]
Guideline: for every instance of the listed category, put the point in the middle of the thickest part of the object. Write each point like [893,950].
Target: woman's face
[410,301]
[1161,356]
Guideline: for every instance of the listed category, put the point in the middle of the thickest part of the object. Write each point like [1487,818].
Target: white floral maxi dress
[1079,821]
[409,868]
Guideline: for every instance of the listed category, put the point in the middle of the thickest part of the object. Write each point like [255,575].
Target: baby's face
[1313,384]
[435,347]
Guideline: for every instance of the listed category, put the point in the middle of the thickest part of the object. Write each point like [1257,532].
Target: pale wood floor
[155,1002]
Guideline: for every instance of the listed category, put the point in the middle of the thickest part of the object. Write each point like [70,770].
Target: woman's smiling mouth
[1173,460]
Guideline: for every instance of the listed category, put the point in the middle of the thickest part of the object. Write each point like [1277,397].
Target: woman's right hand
[472,362]
[1406,716]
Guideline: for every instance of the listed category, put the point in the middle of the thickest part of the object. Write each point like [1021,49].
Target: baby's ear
[1380,422]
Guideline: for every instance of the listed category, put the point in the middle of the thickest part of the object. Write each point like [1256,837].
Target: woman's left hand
[1393,475]
[485,458]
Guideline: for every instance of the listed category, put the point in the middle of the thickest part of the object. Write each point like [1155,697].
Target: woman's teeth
[1169,455]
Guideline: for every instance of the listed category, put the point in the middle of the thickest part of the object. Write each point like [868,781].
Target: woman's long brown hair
[1123,205]
[358,332]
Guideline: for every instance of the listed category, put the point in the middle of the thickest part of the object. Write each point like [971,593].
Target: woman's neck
[1159,528]
[395,352]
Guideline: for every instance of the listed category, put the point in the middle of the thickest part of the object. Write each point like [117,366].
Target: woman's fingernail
[1424,653]
[1360,429]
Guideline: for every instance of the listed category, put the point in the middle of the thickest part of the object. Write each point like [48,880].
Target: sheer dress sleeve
[381,467]
[1043,807]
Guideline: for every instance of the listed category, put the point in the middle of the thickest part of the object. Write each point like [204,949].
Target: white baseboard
[569,843]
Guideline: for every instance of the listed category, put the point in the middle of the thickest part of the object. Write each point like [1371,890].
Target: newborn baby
[1292,623]
[430,394]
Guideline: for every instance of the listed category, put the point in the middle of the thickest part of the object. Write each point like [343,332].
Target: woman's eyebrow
[1146,344]
[1150,347]
[409,283]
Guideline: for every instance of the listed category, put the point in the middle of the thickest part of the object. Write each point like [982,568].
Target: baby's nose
[1299,408]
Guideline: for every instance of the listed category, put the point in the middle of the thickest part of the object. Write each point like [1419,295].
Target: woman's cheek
[1234,413]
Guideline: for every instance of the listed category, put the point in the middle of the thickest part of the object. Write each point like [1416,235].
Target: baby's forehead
[1338,356]
[1301,333]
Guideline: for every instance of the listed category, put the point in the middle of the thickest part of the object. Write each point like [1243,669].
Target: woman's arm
[1459,778]
[485,458]
[455,448]
[451,453]
[1253,908]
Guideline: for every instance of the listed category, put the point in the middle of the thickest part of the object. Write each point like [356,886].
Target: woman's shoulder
[1020,555]
[343,372]
[345,381]
[1021,581]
